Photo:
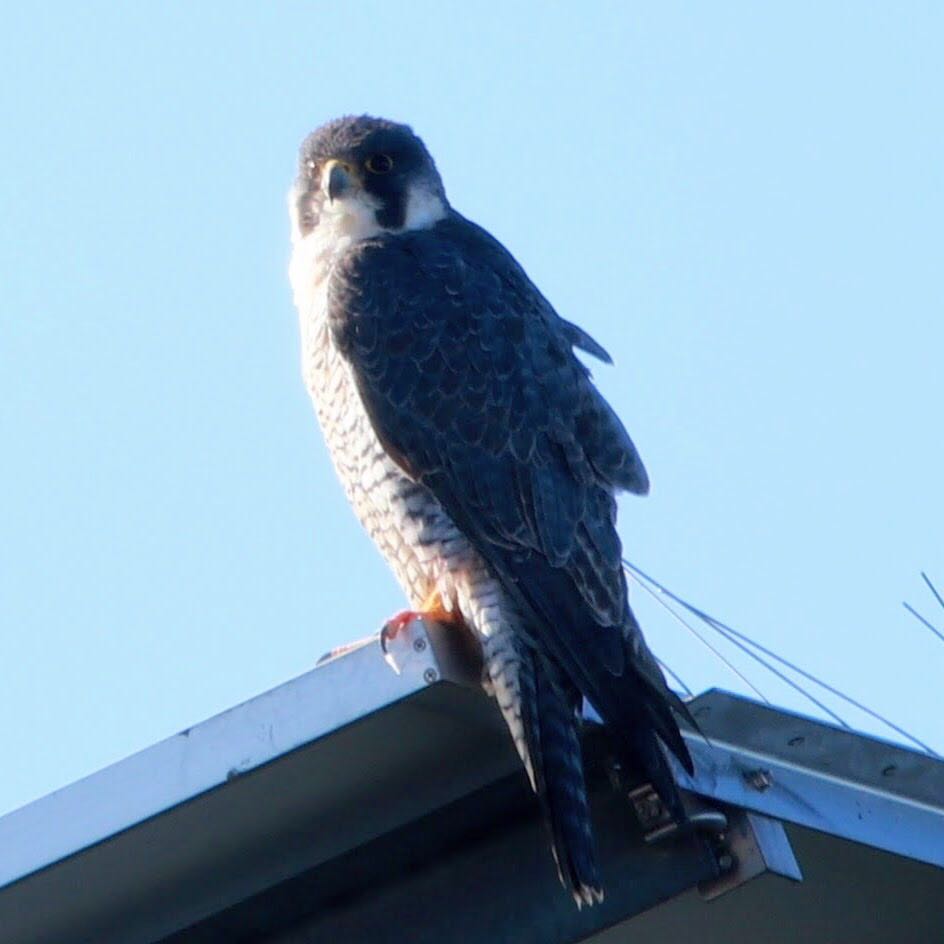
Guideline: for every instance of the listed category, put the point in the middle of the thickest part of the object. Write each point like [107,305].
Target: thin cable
[932,588]
[740,640]
[731,633]
[724,628]
[737,638]
[921,619]
[675,678]
[730,637]
[702,640]
[848,699]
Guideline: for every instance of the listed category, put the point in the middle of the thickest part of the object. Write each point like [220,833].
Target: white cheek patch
[424,208]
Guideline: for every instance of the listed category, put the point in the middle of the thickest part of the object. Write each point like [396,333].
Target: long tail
[619,677]
[564,794]
[658,705]
[639,716]
[540,707]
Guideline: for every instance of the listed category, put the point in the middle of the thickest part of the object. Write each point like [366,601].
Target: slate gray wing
[471,383]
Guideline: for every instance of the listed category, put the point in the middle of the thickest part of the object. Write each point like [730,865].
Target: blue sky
[744,205]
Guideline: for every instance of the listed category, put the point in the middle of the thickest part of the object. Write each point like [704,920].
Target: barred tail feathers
[564,800]
[539,706]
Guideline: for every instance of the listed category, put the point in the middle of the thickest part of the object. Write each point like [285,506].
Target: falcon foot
[432,609]
[396,624]
[394,627]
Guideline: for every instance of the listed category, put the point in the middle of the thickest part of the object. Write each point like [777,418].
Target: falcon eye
[379,163]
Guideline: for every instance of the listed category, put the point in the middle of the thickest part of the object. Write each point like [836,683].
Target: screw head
[759,779]
[419,644]
[430,676]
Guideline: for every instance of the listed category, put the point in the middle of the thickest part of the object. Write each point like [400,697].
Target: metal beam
[380,806]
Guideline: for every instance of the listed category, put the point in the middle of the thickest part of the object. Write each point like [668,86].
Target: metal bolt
[650,807]
[759,779]
[725,861]
[419,644]
[430,676]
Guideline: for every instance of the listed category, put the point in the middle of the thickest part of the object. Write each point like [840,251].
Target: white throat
[342,223]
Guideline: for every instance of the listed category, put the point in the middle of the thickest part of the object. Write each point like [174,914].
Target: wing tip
[641,483]
[579,339]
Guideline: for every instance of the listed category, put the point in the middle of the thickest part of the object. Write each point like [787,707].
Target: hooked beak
[337,180]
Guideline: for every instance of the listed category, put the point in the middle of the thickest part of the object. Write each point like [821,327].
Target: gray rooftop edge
[768,761]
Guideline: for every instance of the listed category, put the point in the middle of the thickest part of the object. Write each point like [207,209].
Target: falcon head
[360,176]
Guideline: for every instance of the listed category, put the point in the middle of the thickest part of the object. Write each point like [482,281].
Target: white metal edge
[796,794]
[204,756]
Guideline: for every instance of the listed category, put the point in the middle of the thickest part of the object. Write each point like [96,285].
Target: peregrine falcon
[481,459]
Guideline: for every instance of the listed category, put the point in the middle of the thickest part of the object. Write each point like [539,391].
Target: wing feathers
[471,383]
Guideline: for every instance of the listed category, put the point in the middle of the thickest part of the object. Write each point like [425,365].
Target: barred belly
[415,535]
[426,551]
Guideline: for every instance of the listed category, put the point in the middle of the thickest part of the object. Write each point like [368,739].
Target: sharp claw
[388,658]
[387,632]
